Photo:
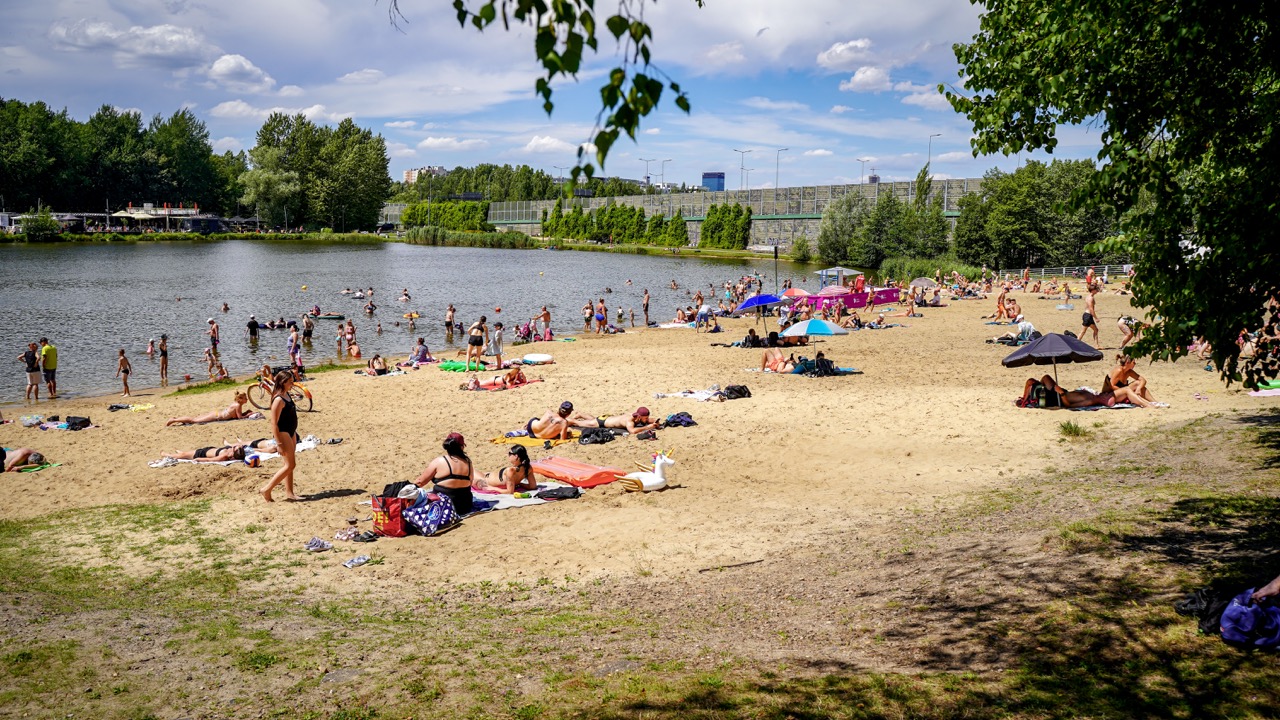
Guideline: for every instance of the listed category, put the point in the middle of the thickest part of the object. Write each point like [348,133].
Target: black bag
[595,436]
[78,423]
[393,489]
[560,493]
[680,419]
[736,392]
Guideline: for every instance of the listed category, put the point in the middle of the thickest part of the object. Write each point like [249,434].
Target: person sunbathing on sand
[376,365]
[1123,376]
[226,453]
[552,426]
[234,411]
[775,362]
[636,422]
[1083,398]
[517,476]
[20,459]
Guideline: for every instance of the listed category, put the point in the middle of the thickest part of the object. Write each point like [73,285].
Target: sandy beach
[931,418]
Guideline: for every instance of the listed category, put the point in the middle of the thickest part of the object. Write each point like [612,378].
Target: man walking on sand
[1089,320]
[49,363]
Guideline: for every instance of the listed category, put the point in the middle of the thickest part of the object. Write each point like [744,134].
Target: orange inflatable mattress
[576,473]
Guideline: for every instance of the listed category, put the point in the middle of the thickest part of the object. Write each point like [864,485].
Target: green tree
[677,231]
[800,250]
[972,244]
[186,173]
[840,236]
[40,225]
[1186,100]
[270,190]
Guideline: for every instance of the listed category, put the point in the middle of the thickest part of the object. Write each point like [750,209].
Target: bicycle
[260,394]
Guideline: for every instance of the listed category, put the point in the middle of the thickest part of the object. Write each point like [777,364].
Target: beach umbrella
[760,301]
[924,282]
[1052,349]
[815,326]
[795,293]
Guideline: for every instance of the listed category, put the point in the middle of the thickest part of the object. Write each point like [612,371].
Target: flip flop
[365,537]
[356,562]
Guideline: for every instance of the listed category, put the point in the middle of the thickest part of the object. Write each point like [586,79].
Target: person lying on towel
[1058,397]
[516,477]
[20,459]
[552,426]
[636,422]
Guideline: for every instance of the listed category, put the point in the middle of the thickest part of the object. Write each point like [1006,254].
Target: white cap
[210,320]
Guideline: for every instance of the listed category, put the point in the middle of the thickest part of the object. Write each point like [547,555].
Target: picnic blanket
[573,472]
[309,442]
[502,501]
[531,442]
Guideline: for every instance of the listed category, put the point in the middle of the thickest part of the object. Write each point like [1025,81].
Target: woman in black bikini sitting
[516,477]
[209,454]
[1124,376]
[451,474]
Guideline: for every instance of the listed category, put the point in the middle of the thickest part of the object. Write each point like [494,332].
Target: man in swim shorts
[213,335]
[252,328]
[448,320]
[49,363]
[636,422]
[1088,319]
[552,426]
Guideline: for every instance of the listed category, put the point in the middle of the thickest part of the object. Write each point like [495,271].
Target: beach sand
[931,418]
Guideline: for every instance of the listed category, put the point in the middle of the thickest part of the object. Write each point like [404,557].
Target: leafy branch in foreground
[563,29]
[1189,159]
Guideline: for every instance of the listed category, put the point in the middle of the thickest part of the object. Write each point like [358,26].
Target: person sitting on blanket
[851,321]
[773,361]
[1081,398]
[552,426]
[517,476]
[1023,333]
[226,453]
[420,354]
[451,474]
[636,422]
[1124,376]
[20,459]
[234,411]
[376,365]
[936,300]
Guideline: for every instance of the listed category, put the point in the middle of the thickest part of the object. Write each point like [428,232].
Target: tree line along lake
[91,300]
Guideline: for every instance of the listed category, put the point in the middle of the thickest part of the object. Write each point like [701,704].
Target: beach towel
[62,426]
[498,388]
[672,326]
[38,468]
[1117,406]
[578,474]
[502,501]
[389,373]
[711,393]
[458,366]
[532,442]
[1266,393]
[132,408]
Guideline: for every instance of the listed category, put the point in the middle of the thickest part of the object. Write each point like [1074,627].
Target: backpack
[736,392]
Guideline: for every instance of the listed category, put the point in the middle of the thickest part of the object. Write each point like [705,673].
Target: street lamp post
[662,172]
[646,162]
[929,157]
[561,168]
[742,165]
[777,160]
[862,174]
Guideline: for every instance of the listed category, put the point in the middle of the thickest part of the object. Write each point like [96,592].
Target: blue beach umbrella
[816,326]
[761,301]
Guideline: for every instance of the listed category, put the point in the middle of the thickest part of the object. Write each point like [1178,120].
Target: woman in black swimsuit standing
[451,474]
[164,359]
[477,338]
[284,426]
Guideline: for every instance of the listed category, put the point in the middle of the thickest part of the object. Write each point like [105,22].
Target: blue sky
[831,80]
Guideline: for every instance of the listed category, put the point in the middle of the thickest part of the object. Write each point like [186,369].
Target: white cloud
[910,87]
[167,46]
[401,124]
[222,145]
[729,53]
[867,79]
[548,144]
[818,152]
[238,74]
[845,55]
[451,143]
[930,100]
[954,156]
[763,103]
[127,110]
[366,76]
[400,150]
[652,131]
[840,109]
[290,91]
[241,110]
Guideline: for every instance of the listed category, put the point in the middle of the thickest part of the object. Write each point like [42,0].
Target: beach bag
[388,516]
[736,392]
[434,517]
[393,489]
[569,492]
[680,419]
[595,436]
[1249,624]
[78,423]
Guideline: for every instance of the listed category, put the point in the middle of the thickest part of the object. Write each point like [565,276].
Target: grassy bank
[1047,597]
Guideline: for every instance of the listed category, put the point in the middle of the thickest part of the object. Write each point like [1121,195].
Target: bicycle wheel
[301,400]
[259,397]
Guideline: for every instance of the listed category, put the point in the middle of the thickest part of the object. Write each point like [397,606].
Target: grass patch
[330,367]
[207,386]
[1070,429]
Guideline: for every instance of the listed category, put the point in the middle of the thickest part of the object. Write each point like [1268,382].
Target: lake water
[91,300]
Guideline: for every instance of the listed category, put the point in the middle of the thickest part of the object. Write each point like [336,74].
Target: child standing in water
[123,368]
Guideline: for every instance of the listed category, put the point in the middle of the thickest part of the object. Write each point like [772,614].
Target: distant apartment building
[411,176]
[713,181]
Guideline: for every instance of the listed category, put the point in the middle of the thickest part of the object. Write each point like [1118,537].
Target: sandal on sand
[334,441]
[356,562]
[318,545]
[365,537]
